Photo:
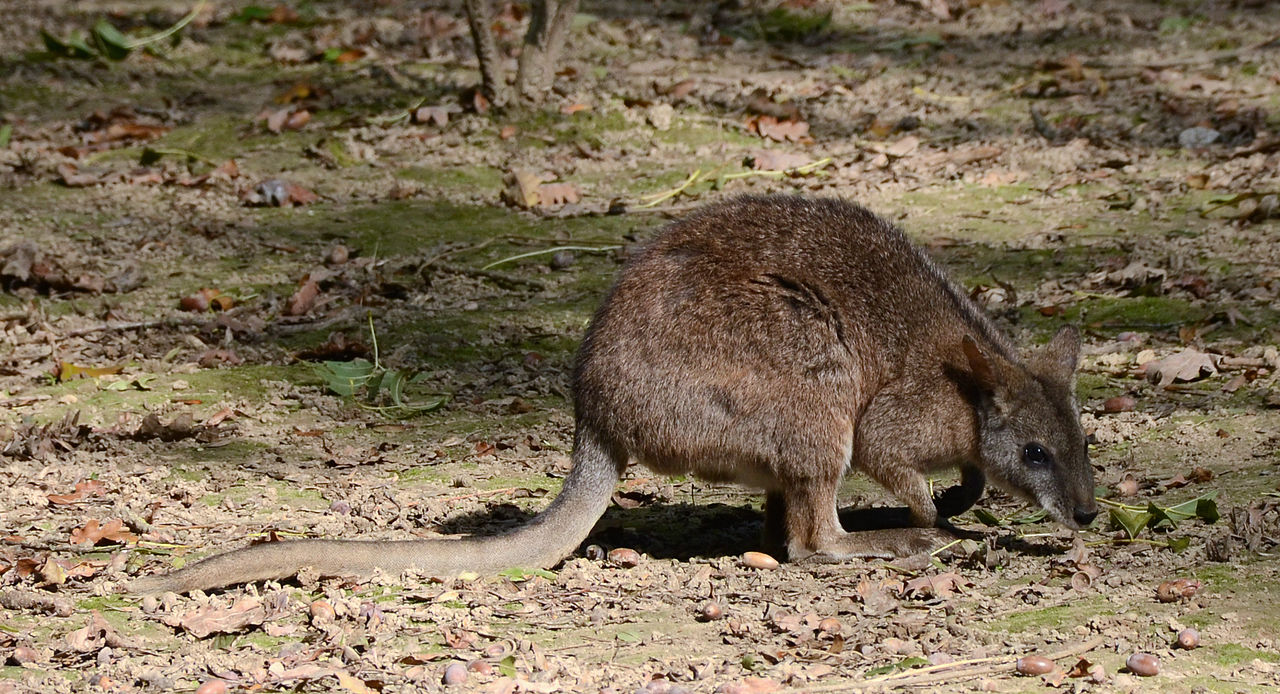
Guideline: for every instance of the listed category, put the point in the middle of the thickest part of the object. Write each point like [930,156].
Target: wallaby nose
[1085,516]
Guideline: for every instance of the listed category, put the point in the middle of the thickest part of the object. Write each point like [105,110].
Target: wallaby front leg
[954,501]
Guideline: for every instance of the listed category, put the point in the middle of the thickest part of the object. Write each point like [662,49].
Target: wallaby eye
[1035,454]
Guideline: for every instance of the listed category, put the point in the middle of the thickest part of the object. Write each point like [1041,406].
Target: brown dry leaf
[774,160]
[73,176]
[298,92]
[287,118]
[353,684]
[939,586]
[350,56]
[94,533]
[557,194]
[1188,365]
[180,427]
[215,619]
[439,115]
[479,103]
[1080,669]
[68,371]
[96,634]
[304,299]
[781,130]
[276,192]
[84,489]
[903,147]
[125,130]
[523,188]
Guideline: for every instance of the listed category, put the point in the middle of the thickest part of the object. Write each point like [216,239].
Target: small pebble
[149,604]
[321,610]
[340,507]
[594,552]
[1198,137]
[759,560]
[710,611]
[480,667]
[456,673]
[624,557]
[1188,639]
[338,255]
[214,686]
[830,625]
[562,260]
[1035,665]
[1143,664]
[24,654]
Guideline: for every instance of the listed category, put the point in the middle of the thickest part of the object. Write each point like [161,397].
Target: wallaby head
[1029,437]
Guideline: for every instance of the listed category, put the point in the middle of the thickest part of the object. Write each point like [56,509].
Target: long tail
[541,543]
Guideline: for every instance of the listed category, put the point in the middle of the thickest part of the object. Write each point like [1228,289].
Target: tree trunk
[493,79]
[549,24]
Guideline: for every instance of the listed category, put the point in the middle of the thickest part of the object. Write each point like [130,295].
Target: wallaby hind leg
[775,523]
[814,532]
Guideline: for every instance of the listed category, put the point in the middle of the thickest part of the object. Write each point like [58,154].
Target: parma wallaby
[774,342]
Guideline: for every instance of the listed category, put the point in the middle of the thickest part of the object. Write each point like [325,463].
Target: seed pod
[1143,664]
[321,610]
[624,557]
[1188,639]
[1177,589]
[1035,665]
[480,667]
[710,611]
[759,560]
[456,673]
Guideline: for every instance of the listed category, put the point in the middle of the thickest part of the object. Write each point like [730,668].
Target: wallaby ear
[981,368]
[1059,358]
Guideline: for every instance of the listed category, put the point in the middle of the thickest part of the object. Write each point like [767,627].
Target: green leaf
[149,157]
[1032,518]
[345,377]
[394,382]
[507,666]
[1162,516]
[1207,510]
[73,47]
[629,636]
[517,573]
[6,131]
[251,13]
[330,55]
[110,42]
[1179,543]
[987,518]
[1132,522]
[373,385]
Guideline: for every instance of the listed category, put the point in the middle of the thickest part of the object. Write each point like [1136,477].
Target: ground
[163,329]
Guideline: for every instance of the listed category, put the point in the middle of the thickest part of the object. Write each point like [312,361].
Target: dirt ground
[203,241]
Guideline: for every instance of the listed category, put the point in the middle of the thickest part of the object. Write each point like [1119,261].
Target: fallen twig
[946,672]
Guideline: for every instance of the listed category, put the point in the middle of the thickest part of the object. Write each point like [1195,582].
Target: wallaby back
[775,342]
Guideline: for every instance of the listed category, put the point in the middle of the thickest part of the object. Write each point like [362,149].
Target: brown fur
[774,342]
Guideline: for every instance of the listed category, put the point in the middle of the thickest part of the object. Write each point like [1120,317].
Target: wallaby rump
[775,342]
